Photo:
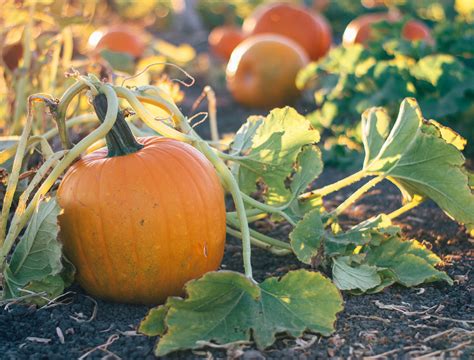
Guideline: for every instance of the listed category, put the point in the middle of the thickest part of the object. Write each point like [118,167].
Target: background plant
[352,78]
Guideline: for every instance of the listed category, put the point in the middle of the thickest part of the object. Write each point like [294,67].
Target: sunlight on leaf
[226,307]
[417,156]
[269,148]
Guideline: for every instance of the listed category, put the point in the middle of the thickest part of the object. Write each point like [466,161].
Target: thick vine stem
[260,244]
[329,189]
[261,237]
[268,208]
[60,114]
[75,152]
[356,195]
[406,207]
[225,174]
[149,119]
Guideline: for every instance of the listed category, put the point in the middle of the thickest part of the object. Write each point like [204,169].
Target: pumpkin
[141,218]
[307,28]
[123,40]
[224,39]
[359,30]
[262,70]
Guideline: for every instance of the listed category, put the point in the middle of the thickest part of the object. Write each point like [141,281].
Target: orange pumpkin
[261,71]
[224,39]
[141,223]
[359,30]
[122,40]
[304,26]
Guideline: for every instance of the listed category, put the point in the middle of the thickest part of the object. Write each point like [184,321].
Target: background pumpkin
[262,70]
[358,31]
[224,39]
[307,28]
[123,40]
[139,226]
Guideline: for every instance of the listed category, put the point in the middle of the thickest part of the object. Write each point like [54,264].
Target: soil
[433,320]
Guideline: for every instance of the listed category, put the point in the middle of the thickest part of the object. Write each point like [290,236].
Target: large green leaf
[37,261]
[421,159]
[268,149]
[226,307]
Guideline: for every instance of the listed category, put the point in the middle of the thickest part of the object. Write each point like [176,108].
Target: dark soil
[434,320]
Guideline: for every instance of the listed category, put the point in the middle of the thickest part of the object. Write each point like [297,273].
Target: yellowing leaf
[226,307]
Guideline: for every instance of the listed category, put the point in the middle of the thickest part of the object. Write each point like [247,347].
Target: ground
[433,320]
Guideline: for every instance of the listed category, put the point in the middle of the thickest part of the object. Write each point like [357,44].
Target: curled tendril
[200,121]
[191,78]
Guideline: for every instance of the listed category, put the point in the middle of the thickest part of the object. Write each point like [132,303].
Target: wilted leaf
[226,307]
[37,259]
[154,323]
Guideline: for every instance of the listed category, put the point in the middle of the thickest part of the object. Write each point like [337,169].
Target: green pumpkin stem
[120,140]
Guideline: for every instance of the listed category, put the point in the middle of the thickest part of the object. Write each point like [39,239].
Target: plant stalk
[329,189]
[356,195]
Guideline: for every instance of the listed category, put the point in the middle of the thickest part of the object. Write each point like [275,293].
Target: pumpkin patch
[239,179]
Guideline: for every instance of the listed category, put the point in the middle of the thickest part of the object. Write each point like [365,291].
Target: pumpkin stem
[120,140]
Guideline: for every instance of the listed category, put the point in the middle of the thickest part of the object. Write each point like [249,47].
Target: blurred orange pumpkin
[118,40]
[304,26]
[359,30]
[262,69]
[224,39]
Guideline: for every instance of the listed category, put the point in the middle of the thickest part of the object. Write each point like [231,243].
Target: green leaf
[119,61]
[268,150]
[307,236]
[347,277]
[154,322]
[299,301]
[226,307]
[307,168]
[219,307]
[410,262]
[375,129]
[417,158]
[37,259]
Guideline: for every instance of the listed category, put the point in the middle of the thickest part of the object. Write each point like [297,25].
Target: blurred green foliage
[354,78]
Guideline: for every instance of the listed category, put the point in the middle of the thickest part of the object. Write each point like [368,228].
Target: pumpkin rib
[204,167]
[189,176]
[109,265]
[138,283]
[198,191]
[168,230]
[80,249]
